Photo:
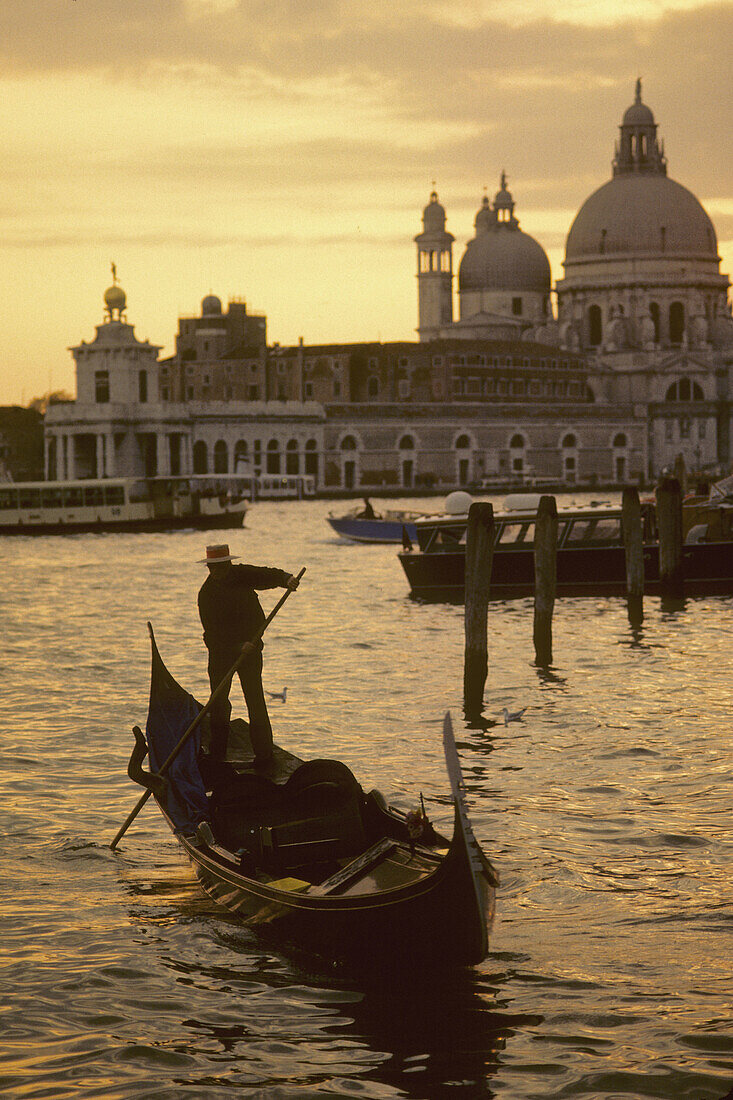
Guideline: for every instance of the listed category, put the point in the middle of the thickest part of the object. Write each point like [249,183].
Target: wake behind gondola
[299,850]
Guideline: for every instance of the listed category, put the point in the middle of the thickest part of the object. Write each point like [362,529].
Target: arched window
[272,461]
[311,457]
[221,457]
[373,386]
[654,313]
[676,322]
[241,454]
[516,449]
[200,458]
[595,326]
[463,443]
[348,443]
[292,461]
[406,443]
[619,440]
[570,440]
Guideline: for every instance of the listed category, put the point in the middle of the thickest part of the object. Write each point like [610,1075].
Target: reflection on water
[606,810]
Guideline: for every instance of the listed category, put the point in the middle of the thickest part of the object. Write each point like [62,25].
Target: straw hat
[215,554]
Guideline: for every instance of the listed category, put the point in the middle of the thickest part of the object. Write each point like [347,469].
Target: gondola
[300,852]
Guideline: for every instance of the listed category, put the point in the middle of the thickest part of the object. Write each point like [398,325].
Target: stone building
[633,372]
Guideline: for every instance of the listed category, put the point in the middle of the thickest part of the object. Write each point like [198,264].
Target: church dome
[641,214]
[640,211]
[504,260]
[501,256]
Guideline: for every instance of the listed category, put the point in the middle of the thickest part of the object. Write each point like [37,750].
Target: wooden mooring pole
[634,552]
[479,558]
[669,525]
[545,579]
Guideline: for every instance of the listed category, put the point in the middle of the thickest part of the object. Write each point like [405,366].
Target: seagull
[280,696]
[512,716]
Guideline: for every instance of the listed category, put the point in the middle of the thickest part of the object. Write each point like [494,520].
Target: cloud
[467,95]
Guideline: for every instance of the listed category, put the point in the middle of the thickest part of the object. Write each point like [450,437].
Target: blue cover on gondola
[170,712]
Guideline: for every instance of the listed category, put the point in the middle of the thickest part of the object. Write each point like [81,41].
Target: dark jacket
[230,611]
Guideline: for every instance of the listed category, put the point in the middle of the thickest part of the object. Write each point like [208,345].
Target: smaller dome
[638,114]
[434,213]
[115,298]
[486,218]
[211,306]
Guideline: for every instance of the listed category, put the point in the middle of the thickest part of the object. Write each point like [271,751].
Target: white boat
[200,501]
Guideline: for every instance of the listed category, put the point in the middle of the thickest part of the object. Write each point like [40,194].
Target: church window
[595,326]
[570,440]
[676,322]
[348,443]
[101,386]
[407,443]
[403,388]
[445,261]
[668,430]
[142,386]
[253,392]
[619,440]
[373,386]
[685,390]
[517,307]
[516,442]
[685,425]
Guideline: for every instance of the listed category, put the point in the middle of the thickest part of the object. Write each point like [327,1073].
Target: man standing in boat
[231,615]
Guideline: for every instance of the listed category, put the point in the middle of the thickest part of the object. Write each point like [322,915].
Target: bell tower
[434,272]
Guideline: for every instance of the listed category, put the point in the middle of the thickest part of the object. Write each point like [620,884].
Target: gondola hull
[442,920]
[298,851]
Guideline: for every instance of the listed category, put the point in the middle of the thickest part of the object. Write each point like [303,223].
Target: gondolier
[231,615]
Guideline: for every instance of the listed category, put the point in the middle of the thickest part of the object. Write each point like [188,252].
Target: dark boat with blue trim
[590,550]
[301,852]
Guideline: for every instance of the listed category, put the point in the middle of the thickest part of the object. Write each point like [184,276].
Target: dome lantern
[638,149]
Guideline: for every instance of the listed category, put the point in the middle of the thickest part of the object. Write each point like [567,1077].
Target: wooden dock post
[669,525]
[545,578]
[479,557]
[634,552]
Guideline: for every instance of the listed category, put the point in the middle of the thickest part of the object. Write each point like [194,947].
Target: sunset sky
[282,151]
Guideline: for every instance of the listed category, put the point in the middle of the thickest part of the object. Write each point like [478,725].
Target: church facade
[633,372]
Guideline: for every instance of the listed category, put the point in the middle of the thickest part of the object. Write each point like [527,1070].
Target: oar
[246,650]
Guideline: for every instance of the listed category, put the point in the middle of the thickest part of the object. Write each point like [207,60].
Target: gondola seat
[320,821]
